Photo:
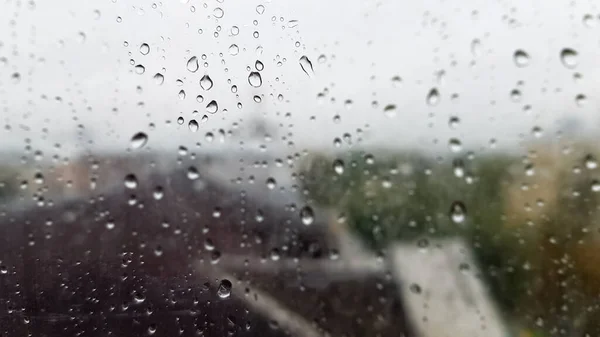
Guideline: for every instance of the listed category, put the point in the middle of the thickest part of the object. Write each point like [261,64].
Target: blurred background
[280,168]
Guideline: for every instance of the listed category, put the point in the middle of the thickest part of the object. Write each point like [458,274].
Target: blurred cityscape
[358,243]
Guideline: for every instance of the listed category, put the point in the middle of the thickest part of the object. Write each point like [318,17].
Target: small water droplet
[158,193]
[260,9]
[206,82]
[390,110]
[271,183]
[590,162]
[139,69]
[338,166]
[476,48]
[218,12]
[159,78]
[306,66]
[307,215]
[181,94]
[259,65]
[192,64]
[193,125]
[595,186]
[580,100]
[255,79]
[521,58]
[234,49]
[292,23]
[212,107]
[144,49]
[138,140]
[224,290]
[455,145]
[568,58]
[433,97]
[458,212]
[454,122]
[131,181]
[192,173]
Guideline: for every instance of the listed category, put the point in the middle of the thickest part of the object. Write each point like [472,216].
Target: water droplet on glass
[255,79]
[590,162]
[224,290]
[307,215]
[595,186]
[338,166]
[159,79]
[292,23]
[206,82]
[458,212]
[306,66]
[192,64]
[192,173]
[193,125]
[181,94]
[234,49]
[568,58]
[271,183]
[588,20]
[131,181]
[139,69]
[259,65]
[521,58]
[580,99]
[212,107]
[218,12]
[158,193]
[454,145]
[260,9]
[433,97]
[390,110]
[144,49]
[453,122]
[476,48]
[139,140]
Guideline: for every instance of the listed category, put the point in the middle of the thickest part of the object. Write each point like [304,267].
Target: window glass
[299,168]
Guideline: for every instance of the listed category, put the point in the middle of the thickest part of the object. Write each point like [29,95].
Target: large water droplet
[139,69]
[568,58]
[212,107]
[192,64]
[206,82]
[521,58]
[224,290]
[458,212]
[139,140]
[260,9]
[255,79]
[306,65]
[307,215]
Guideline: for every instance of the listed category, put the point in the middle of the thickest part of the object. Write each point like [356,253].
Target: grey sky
[365,43]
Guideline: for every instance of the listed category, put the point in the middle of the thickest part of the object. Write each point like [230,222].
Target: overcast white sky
[365,43]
